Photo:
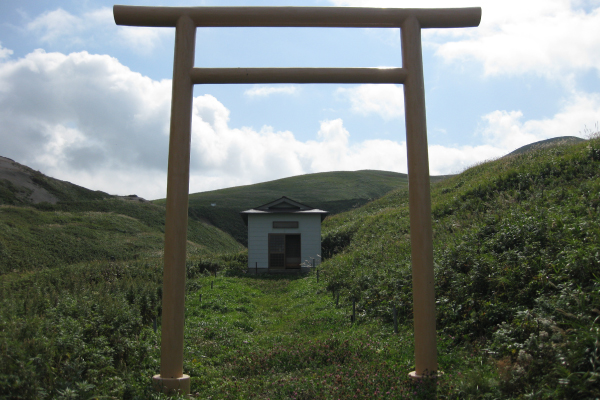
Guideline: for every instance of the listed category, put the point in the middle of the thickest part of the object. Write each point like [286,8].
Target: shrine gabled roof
[283,205]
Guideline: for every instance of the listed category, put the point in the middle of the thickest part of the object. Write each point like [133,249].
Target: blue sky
[84,100]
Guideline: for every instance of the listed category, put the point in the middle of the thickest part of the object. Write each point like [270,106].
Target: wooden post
[419,201]
[171,378]
[395,320]
[256,268]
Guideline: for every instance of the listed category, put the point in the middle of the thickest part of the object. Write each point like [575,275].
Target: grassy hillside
[331,191]
[517,267]
[517,261]
[542,144]
[48,235]
[45,222]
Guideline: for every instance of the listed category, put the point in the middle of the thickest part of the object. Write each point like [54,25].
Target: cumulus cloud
[387,101]
[550,41]
[4,52]
[503,131]
[61,26]
[54,24]
[507,130]
[90,120]
[444,160]
[83,117]
[264,91]
[242,156]
[545,37]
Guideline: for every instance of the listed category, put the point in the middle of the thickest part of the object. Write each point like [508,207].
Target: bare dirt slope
[21,185]
[20,177]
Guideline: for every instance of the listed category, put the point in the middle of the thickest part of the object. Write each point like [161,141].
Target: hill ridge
[20,184]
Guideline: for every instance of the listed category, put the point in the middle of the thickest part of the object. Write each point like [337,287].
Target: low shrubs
[517,254]
[77,331]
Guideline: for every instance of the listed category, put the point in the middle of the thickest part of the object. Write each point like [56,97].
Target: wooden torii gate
[185,20]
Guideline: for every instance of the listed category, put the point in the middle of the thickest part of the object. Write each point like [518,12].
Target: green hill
[557,141]
[517,255]
[331,191]
[517,267]
[45,222]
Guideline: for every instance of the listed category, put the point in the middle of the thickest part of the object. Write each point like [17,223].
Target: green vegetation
[331,191]
[517,257]
[76,331]
[542,144]
[84,225]
[110,229]
[86,331]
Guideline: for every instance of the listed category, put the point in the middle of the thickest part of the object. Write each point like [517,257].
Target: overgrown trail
[282,337]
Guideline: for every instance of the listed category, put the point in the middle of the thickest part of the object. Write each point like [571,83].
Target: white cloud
[60,26]
[54,24]
[4,52]
[506,130]
[444,160]
[549,38]
[83,116]
[92,121]
[143,39]
[385,100]
[549,42]
[100,16]
[264,91]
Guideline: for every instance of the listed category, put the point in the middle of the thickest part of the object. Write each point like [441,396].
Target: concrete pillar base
[434,375]
[171,385]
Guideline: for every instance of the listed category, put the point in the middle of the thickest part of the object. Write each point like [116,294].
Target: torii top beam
[315,17]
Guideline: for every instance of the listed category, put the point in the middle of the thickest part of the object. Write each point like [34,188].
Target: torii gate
[185,20]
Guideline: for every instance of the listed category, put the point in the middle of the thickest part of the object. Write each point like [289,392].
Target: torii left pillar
[171,378]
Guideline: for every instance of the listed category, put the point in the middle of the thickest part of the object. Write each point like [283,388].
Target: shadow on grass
[274,276]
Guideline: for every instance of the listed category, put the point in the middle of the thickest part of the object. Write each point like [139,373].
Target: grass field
[108,229]
[516,261]
[87,331]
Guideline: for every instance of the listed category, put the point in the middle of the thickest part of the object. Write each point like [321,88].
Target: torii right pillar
[421,235]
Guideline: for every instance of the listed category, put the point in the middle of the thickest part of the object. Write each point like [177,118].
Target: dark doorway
[284,251]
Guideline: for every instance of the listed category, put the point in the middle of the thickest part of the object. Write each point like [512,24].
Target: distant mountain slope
[45,222]
[313,189]
[557,141]
[331,191]
[20,184]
